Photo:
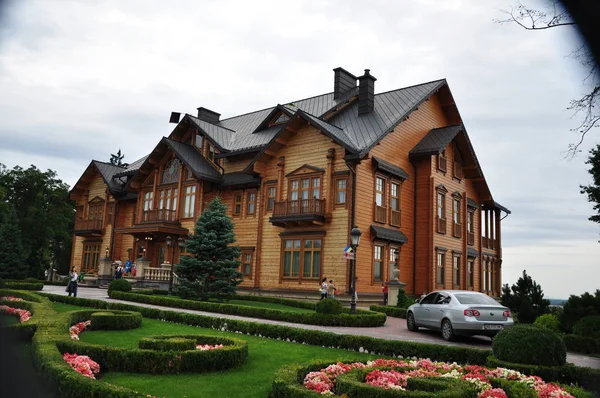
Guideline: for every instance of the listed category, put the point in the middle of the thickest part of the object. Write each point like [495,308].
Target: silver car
[459,312]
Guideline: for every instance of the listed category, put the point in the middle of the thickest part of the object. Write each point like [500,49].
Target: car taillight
[471,313]
[506,314]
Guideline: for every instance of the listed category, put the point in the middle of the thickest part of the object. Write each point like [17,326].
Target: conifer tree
[11,249]
[212,269]
[526,298]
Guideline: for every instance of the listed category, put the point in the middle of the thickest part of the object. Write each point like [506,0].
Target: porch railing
[157,274]
[87,225]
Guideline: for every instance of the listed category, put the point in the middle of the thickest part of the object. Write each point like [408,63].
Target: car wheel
[447,331]
[410,322]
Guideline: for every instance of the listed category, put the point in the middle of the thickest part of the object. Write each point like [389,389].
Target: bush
[329,306]
[586,345]
[389,310]
[167,343]
[116,320]
[24,285]
[531,345]
[578,307]
[588,326]
[548,321]
[1,283]
[119,285]
[403,300]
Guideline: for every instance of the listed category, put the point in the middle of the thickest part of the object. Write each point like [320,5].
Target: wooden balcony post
[280,167]
[330,188]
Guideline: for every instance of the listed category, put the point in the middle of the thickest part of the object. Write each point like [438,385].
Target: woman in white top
[323,288]
[72,287]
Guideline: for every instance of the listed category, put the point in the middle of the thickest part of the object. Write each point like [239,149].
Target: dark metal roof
[388,234]
[390,168]
[436,141]
[223,137]
[107,171]
[334,132]
[472,203]
[499,206]
[194,160]
[240,178]
[132,168]
[472,252]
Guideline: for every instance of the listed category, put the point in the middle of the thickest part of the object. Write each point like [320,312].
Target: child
[331,289]
[323,289]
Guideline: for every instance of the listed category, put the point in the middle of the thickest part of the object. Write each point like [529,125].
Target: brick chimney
[343,82]
[366,93]
[208,116]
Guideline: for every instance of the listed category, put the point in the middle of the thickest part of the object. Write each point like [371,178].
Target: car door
[422,310]
[438,309]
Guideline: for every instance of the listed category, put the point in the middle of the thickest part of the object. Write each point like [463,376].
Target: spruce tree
[211,270]
[11,248]
[525,298]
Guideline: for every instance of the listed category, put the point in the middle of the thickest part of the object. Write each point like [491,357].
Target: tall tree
[525,298]
[11,249]
[117,159]
[555,16]
[593,190]
[211,270]
[45,214]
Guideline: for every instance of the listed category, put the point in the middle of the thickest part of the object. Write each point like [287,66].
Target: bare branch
[532,19]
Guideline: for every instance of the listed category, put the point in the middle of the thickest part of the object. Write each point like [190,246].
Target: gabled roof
[193,159]
[436,141]
[131,168]
[107,171]
[271,115]
[390,168]
[222,137]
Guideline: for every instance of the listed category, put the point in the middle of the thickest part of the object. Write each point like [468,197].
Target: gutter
[415,232]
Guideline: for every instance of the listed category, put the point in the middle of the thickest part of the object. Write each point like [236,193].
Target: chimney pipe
[208,116]
[366,93]
[343,82]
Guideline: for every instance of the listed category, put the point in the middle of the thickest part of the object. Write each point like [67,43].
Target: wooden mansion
[296,177]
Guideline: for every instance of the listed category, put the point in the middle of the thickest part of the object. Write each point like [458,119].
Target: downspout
[415,234]
[112,232]
[352,213]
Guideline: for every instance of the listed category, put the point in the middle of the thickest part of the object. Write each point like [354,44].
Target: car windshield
[475,299]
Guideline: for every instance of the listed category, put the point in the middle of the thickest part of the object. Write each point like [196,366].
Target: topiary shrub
[329,306]
[120,285]
[167,343]
[116,320]
[588,326]
[403,300]
[530,345]
[548,321]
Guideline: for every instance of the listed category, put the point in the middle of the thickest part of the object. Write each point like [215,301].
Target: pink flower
[205,347]
[76,329]
[493,393]
[82,364]
[23,315]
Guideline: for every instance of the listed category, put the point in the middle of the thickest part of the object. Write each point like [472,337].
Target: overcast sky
[79,80]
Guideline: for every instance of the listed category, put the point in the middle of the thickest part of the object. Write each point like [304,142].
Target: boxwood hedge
[389,310]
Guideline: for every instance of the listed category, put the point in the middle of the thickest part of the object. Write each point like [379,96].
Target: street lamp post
[354,241]
[173,244]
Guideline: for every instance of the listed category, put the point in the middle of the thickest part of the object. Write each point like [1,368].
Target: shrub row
[530,344]
[162,361]
[361,319]
[64,282]
[586,345]
[158,292]
[167,343]
[588,326]
[389,310]
[116,320]
[24,285]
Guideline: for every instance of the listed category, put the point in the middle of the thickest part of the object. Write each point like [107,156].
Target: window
[429,299]
[211,153]
[441,212]
[442,161]
[395,204]
[340,191]
[457,169]
[95,211]
[470,268]
[305,251]
[271,197]
[167,199]
[246,263]
[471,227]
[171,171]
[441,259]
[237,203]
[377,264]
[198,142]
[456,270]
[305,188]
[148,200]
[91,255]
[189,201]
[457,228]
[251,203]
[484,275]
[380,191]
[109,212]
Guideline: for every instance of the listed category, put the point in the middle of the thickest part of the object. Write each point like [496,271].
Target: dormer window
[211,153]
[198,141]
[457,169]
[282,118]
[442,161]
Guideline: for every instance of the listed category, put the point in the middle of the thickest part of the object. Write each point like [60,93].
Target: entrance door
[160,254]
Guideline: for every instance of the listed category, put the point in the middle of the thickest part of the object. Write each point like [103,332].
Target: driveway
[394,328]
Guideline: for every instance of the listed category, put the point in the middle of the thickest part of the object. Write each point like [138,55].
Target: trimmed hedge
[586,345]
[329,306]
[64,282]
[529,344]
[588,326]
[116,320]
[360,319]
[389,310]
[167,343]
[23,285]
[120,285]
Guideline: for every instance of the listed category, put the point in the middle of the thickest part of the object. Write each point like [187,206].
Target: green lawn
[252,379]
[272,306]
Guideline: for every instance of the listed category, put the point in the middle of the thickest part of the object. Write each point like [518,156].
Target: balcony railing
[442,163]
[471,238]
[300,207]
[395,218]
[380,214]
[488,243]
[441,225]
[87,225]
[157,215]
[457,230]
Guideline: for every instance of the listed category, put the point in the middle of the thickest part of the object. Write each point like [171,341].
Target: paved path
[394,328]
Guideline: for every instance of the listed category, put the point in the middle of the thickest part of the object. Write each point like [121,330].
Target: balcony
[88,227]
[471,238]
[489,243]
[380,214]
[395,218]
[441,225]
[457,230]
[298,212]
[158,216]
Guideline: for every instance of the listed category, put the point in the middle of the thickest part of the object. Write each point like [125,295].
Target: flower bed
[11,298]
[23,315]
[206,347]
[76,329]
[82,364]
[397,374]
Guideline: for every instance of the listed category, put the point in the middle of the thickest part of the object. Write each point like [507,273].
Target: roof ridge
[213,124]
[414,85]
[108,163]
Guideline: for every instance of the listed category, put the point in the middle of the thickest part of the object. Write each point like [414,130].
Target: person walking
[72,286]
[323,288]
[385,293]
[331,289]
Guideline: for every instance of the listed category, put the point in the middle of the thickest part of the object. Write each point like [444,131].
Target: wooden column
[157,175]
[260,203]
[329,199]
[465,258]
[280,167]
[104,207]
[179,193]
[479,248]
[498,235]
